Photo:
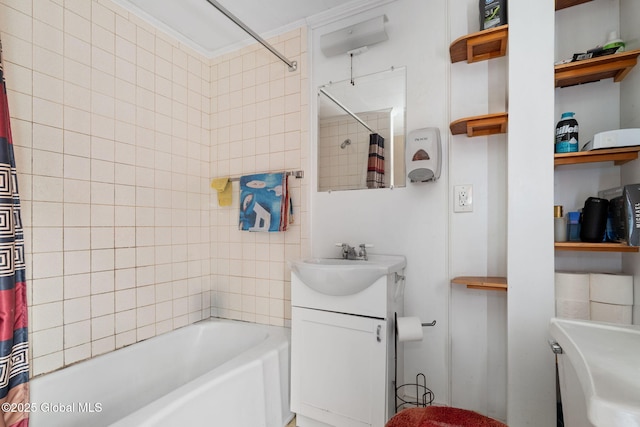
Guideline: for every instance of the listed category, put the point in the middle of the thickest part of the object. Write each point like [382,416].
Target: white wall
[478,239]
[531,368]
[411,221]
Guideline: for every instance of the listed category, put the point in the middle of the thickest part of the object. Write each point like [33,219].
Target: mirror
[349,113]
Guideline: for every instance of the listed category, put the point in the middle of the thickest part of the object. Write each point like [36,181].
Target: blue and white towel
[264,202]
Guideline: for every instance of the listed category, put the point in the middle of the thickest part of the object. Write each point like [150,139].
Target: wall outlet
[463,198]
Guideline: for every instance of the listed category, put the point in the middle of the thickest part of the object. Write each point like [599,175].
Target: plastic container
[567,134]
[493,13]
[559,225]
[614,41]
[573,226]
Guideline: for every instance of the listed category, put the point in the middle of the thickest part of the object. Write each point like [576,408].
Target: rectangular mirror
[361,132]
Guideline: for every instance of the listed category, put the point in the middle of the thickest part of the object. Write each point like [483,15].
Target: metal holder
[424,395]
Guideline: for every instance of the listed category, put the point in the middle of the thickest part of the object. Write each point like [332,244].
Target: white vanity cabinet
[342,351]
[339,368]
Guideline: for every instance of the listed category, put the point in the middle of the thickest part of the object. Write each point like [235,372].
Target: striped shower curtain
[14,346]
[375,165]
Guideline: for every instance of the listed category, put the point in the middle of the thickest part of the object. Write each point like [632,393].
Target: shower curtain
[14,346]
[375,165]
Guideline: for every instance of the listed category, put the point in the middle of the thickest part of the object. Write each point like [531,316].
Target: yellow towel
[223,187]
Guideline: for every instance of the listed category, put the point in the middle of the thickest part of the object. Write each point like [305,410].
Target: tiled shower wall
[259,124]
[346,168]
[118,129]
[111,123]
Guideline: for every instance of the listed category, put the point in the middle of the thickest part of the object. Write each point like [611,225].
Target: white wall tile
[48,363]
[102,327]
[77,309]
[76,354]
[77,333]
[120,212]
[76,286]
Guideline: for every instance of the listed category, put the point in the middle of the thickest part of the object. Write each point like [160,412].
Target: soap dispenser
[423,153]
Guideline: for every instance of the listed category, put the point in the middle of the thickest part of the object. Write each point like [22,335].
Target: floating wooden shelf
[487,124]
[480,282]
[618,155]
[480,46]
[595,247]
[615,66]
[563,4]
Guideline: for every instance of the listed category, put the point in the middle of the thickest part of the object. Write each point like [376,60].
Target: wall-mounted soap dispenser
[424,155]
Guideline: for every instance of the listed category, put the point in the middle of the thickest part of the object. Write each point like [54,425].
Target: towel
[223,187]
[375,165]
[265,204]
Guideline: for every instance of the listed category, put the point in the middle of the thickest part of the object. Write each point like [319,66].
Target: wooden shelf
[595,247]
[480,46]
[618,155]
[487,124]
[480,282]
[563,4]
[615,66]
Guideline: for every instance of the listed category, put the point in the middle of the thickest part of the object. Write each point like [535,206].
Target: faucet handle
[345,249]
[363,250]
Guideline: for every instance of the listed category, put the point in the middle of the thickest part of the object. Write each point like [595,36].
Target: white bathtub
[212,373]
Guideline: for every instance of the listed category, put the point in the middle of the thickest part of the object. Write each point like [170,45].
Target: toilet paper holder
[423,395]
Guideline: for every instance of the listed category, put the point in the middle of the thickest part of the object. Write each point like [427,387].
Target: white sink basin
[606,358]
[339,277]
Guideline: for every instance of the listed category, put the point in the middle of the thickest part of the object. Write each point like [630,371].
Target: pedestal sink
[340,277]
[599,368]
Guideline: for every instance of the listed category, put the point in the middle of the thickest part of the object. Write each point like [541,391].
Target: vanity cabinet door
[338,368]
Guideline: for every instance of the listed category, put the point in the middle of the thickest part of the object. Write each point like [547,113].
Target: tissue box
[493,13]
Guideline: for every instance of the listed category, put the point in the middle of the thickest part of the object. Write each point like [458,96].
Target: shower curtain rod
[293,65]
[346,110]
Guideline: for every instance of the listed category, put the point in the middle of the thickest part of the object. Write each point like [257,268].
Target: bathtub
[212,373]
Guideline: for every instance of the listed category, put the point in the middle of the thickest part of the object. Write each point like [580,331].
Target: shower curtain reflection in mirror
[349,156]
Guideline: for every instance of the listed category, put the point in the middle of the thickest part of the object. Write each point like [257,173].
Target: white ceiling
[201,26]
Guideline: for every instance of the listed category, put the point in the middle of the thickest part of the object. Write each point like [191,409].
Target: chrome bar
[346,110]
[297,174]
[293,65]
[555,347]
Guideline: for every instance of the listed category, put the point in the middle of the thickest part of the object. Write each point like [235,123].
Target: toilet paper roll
[612,313]
[611,288]
[572,286]
[571,309]
[409,329]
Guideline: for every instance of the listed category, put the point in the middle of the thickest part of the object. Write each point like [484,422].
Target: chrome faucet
[349,252]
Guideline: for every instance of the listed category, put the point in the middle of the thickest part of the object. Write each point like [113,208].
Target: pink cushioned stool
[441,416]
